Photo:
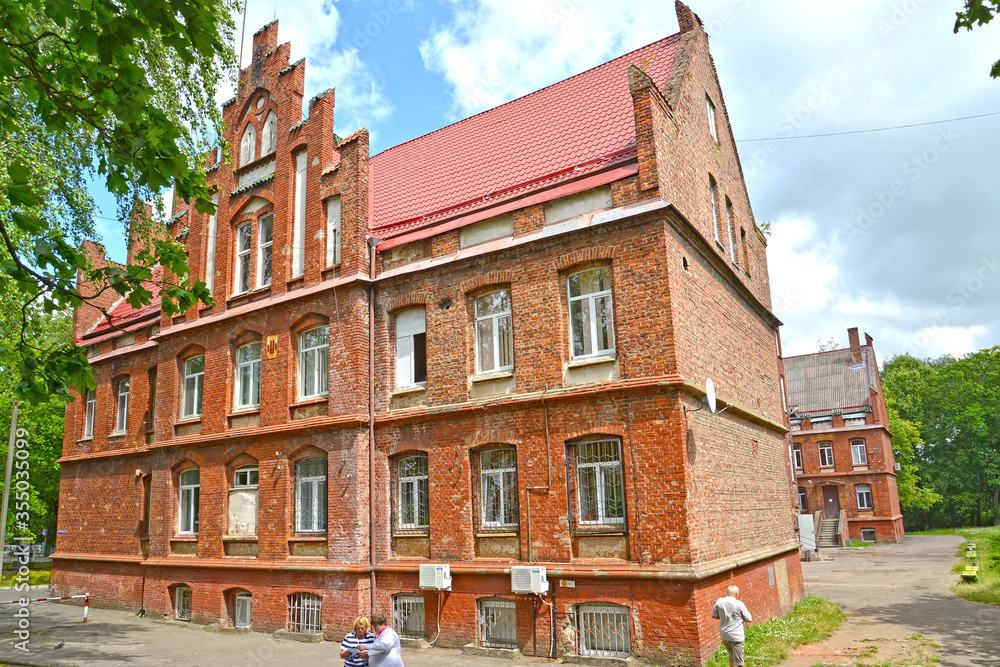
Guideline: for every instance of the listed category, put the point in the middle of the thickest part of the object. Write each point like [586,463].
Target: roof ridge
[676,36]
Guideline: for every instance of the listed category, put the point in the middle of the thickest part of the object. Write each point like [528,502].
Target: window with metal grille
[412,480]
[408,615]
[864,496]
[603,630]
[591,316]
[599,494]
[497,489]
[243,610]
[859,454]
[825,454]
[494,332]
[182,603]
[305,613]
[497,623]
[248,376]
[190,483]
[313,365]
[310,495]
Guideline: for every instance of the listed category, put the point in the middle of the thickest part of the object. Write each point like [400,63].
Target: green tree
[125,89]
[978,13]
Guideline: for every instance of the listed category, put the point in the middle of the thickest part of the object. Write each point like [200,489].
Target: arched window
[248,146]
[269,138]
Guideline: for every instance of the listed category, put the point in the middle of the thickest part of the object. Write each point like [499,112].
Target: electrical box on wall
[435,576]
[528,579]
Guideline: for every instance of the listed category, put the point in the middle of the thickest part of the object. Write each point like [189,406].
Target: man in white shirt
[385,651]
[732,613]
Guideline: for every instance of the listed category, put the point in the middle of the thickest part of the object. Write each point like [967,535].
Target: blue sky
[892,231]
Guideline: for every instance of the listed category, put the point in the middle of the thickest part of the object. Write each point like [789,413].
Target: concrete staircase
[826,536]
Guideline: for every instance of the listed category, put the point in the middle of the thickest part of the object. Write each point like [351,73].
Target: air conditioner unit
[435,576]
[528,579]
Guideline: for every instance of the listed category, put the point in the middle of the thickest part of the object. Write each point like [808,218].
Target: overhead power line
[874,129]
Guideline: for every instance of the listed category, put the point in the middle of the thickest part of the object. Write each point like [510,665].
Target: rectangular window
[194,383]
[710,108]
[89,413]
[243,501]
[411,348]
[182,603]
[210,250]
[408,615]
[494,332]
[265,242]
[803,500]
[305,613]
[299,233]
[413,484]
[151,418]
[797,453]
[121,423]
[333,231]
[498,488]
[310,496]
[864,496]
[147,504]
[243,601]
[314,371]
[248,376]
[714,194]
[604,630]
[859,455]
[600,495]
[591,317]
[868,535]
[732,236]
[242,282]
[246,477]
[497,623]
[825,454]
[190,482]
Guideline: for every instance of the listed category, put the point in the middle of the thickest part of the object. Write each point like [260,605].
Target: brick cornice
[480,281]
[416,298]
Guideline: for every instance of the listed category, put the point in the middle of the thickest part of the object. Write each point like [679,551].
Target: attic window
[710,108]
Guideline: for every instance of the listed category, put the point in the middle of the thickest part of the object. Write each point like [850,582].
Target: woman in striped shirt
[362,636]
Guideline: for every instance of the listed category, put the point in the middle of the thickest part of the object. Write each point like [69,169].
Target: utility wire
[877,129]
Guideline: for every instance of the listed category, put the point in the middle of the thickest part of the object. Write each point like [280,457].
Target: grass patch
[35,578]
[812,620]
[860,544]
[987,588]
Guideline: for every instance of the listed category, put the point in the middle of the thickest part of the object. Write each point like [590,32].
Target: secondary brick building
[513,376]
[842,452]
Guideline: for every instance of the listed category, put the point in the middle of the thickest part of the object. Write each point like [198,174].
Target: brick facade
[688,502]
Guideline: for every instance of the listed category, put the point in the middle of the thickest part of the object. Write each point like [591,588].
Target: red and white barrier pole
[86,607]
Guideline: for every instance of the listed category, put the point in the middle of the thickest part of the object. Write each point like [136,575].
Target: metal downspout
[372,243]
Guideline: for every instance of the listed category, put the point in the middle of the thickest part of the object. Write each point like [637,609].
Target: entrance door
[831,502]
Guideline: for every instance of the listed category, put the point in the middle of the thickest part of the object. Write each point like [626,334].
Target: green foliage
[811,621]
[979,13]
[987,588]
[122,88]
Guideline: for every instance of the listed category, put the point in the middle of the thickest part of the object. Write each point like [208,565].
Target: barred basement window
[243,610]
[498,489]
[413,491]
[408,615]
[604,630]
[868,535]
[497,623]
[305,612]
[182,603]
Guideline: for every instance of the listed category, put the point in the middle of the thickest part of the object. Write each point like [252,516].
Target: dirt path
[900,608]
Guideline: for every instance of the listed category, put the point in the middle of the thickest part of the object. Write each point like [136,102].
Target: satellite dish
[710,395]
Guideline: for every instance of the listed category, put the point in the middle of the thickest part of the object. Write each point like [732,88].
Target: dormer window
[248,146]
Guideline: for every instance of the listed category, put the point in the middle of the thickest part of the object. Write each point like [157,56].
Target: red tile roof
[123,313]
[571,128]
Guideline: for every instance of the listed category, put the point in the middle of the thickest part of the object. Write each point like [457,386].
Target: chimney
[686,19]
[852,335]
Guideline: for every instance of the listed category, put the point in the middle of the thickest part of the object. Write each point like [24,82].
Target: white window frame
[89,413]
[589,301]
[246,477]
[605,472]
[826,454]
[193,381]
[713,188]
[415,487]
[712,129]
[265,249]
[248,145]
[252,367]
[498,479]
[320,354]
[408,614]
[797,454]
[409,325]
[269,137]
[242,283]
[732,238]
[121,418]
[803,499]
[182,603]
[497,613]
[242,608]
[333,231]
[299,230]
[305,613]
[495,322]
[213,219]
[863,496]
[589,616]
[859,452]
[188,496]
[318,503]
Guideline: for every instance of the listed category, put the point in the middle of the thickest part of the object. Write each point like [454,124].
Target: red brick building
[842,450]
[513,377]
